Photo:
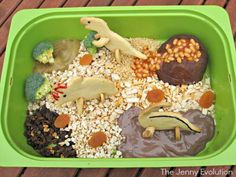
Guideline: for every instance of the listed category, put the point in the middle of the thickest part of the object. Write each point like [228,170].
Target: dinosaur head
[71,92]
[95,24]
[65,97]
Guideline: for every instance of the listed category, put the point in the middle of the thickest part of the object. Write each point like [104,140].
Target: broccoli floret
[36,87]
[92,50]
[88,42]
[114,151]
[43,52]
[89,39]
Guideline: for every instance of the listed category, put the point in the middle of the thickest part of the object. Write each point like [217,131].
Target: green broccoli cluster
[36,87]
[43,52]
[88,42]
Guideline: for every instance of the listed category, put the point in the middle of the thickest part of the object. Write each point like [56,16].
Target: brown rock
[187,72]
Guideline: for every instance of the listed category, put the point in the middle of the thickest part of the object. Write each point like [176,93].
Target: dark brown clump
[186,70]
[44,137]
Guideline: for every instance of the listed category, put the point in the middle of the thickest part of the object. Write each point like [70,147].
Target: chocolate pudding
[163,143]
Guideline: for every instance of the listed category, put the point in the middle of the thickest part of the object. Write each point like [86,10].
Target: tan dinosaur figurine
[80,89]
[111,40]
[152,120]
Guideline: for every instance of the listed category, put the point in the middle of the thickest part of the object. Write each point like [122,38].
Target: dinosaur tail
[140,55]
[136,53]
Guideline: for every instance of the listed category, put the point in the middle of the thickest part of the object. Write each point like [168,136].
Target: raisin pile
[44,137]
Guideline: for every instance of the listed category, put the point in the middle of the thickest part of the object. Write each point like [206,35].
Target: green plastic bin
[210,23]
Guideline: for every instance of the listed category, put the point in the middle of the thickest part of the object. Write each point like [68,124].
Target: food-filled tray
[119,87]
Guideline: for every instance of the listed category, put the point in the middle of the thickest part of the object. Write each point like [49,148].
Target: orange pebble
[206,99]
[86,59]
[97,139]
[155,95]
[62,121]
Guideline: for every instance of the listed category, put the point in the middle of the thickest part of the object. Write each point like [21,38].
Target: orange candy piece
[97,139]
[62,121]
[206,99]
[86,59]
[155,95]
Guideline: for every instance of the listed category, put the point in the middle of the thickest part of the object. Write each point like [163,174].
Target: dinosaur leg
[149,132]
[117,55]
[102,96]
[101,42]
[177,133]
[97,36]
[79,105]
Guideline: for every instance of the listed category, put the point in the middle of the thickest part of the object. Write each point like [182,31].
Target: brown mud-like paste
[163,143]
[187,72]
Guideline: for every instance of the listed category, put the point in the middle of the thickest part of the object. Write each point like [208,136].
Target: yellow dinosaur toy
[111,40]
[87,88]
[152,120]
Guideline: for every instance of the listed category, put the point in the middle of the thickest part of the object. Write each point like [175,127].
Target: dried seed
[140,70]
[186,55]
[179,43]
[169,51]
[145,75]
[192,41]
[187,50]
[138,66]
[139,75]
[145,66]
[190,59]
[192,49]
[176,50]
[175,41]
[167,46]
[145,71]
[197,46]
[179,60]
[152,67]
[181,54]
[136,62]
[164,55]
[171,58]
[199,54]
[167,61]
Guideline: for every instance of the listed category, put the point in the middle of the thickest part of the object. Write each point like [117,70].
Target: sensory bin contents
[107,96]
